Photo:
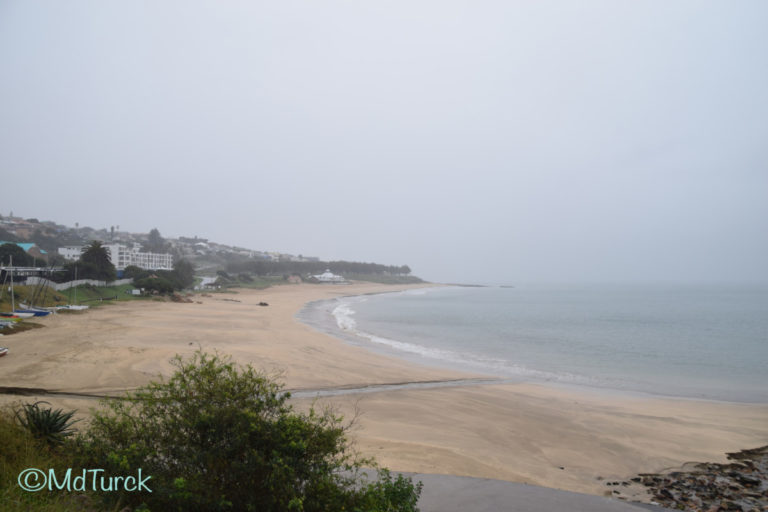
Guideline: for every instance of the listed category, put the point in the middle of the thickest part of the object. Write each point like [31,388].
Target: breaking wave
[344,316]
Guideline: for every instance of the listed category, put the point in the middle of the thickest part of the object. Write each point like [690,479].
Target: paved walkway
[445,493]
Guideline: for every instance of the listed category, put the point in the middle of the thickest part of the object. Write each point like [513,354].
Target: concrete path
[445,493]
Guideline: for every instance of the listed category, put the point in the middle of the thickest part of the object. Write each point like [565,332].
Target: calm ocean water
[702,342]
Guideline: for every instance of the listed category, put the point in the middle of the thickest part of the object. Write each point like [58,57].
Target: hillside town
[59,253]
[52,243]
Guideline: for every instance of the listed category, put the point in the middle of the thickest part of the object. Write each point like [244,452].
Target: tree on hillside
[219,437]
[184,273]
[155,242]
[20,257]
[94,263]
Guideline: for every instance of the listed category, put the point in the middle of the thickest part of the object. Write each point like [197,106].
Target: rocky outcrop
[741,485]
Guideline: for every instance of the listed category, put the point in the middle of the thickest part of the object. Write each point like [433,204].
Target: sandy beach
[564,438]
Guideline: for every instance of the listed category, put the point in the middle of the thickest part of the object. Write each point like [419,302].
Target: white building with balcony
[123,256]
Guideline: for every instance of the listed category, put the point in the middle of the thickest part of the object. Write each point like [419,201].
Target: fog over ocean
[704,342]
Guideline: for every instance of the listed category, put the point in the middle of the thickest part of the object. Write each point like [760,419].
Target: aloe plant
[52,426]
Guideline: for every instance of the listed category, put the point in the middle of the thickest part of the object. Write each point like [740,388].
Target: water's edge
[319,316]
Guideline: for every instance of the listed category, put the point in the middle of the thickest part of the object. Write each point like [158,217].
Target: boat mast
[13,301]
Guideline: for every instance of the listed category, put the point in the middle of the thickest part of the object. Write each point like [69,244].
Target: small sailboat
[31,310]
[71,306]
[23,311]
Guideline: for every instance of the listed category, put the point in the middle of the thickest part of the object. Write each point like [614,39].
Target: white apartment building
[123,256]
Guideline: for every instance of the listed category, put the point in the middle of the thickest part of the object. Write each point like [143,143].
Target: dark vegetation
[214,437]
[246,280]
[349,269]
[162,281]
[21,327]
[383,278]
[20,257]
[265,267]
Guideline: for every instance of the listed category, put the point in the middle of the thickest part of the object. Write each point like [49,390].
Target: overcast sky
[477,141]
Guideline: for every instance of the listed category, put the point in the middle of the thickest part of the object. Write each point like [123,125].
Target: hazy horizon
[501,142]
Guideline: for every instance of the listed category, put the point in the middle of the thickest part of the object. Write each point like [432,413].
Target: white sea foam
[343,313]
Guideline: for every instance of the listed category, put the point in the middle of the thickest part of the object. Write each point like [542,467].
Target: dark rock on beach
[741,485]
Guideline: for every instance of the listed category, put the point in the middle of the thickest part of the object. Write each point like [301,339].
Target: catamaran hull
[16,316]
[34,312]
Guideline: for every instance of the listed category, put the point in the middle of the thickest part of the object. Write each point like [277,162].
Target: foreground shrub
[215,436]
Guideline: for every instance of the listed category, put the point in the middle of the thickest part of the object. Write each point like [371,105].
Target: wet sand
[566,438]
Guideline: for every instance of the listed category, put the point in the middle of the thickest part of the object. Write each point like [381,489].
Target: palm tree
[96,263]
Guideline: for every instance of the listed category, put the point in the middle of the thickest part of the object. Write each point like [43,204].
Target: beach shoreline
[570,439]
[321,315]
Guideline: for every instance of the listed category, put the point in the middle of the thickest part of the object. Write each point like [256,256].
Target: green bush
[134,272]
[216,437]
[184,273]
[158,284]
[163,281]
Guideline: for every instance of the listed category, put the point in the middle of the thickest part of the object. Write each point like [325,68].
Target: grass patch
[20,450]
[85,294]
[95,296]
[20,327]
[26,294]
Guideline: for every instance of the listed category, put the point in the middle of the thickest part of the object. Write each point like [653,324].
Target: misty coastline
[337,318]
